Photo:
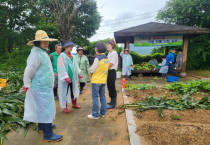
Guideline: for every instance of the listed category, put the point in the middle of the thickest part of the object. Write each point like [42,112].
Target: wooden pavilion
[127,36]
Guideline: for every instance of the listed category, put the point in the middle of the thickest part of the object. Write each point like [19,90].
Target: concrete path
[76,128]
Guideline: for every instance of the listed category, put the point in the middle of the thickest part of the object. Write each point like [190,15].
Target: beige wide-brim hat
[41,36]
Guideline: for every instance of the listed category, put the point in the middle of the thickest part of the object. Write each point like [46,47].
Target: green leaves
[11,111]
[185,102]
[159,110]
[130,87]
[144,66]
[190,87]
[175,117]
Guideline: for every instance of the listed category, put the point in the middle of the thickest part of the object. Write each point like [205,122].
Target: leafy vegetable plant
[130,87]
[190,87]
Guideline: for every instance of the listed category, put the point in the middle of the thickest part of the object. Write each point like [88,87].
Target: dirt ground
[193,128]
[77,129]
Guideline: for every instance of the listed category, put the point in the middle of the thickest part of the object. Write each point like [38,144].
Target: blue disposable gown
[169,58]
[39,78]
[62,66]
[127,62]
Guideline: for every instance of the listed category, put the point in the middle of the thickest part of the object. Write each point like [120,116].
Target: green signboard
[176,40]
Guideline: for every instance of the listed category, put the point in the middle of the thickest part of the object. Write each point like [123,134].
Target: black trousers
[171,68]
[82,85]
[71,88]
[111,84]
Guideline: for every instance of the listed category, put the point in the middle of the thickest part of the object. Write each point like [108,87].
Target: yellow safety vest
[100,76]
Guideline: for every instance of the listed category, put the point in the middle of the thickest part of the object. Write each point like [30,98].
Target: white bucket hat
[41,36]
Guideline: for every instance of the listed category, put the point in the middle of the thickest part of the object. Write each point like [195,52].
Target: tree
[13,15]
[158,50]
[90,48]
[75,20]
[186,12]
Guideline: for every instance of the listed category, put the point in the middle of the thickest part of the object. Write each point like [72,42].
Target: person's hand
[170,62]
[80,77]
[24,89]
[68,80]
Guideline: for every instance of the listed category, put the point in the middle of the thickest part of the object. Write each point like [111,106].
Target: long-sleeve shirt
[94,67]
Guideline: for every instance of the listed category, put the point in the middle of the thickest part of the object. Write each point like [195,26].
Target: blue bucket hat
[68,43]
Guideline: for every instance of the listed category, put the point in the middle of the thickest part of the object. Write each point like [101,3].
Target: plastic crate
[172,79]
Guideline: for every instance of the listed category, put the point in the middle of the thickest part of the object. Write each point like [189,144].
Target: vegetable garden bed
[175,114]
[12,106]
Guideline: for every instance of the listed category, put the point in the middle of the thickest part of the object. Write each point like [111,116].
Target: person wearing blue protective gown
[170,61]
[127,64]
[38,85]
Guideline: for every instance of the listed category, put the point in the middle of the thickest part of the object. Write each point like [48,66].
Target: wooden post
[166,50]
[184,53]
[127,44]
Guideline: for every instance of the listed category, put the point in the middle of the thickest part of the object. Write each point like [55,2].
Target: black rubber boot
[112,103]
[81,90]
[55,94]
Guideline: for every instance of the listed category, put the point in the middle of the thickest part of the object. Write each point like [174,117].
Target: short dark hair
[101,47]
[37,43]
[163,56]
[58,45]
[112,42]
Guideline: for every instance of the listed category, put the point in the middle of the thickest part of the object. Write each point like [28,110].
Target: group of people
[167,65]
[65,73]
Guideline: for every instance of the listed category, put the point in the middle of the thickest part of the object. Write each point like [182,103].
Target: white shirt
[94,67]
[113,58]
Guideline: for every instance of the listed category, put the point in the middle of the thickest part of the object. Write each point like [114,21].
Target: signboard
[176,40]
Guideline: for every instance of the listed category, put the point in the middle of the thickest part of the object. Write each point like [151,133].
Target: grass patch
[116,133]
[102,121]
[175,117]
[204,73]
[127,137]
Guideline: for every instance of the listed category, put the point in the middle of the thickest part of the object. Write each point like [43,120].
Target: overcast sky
[121,14]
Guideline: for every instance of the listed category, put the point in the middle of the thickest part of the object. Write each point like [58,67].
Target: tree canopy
[186,12]
[64,20]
